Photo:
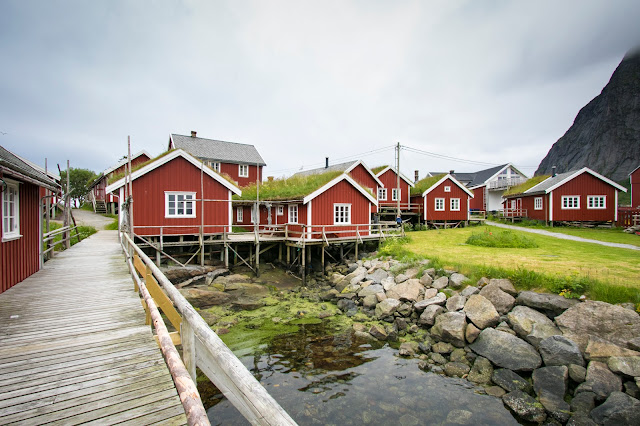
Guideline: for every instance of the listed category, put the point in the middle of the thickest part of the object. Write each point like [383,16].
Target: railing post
[148,276]
[188,339]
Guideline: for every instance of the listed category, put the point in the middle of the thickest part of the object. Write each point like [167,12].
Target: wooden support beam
[175,338]
[257,265]
[304,266]
[322,259]
[188,348]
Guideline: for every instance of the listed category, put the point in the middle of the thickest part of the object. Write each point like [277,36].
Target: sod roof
[293,188]
[520,189]
[424,184]
[378,169]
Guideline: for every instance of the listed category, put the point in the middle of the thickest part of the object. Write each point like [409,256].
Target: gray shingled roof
[548,183]
[11,161]
[471,179]
[213,150]
[334,168]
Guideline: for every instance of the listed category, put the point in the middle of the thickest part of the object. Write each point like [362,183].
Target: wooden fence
[626,216]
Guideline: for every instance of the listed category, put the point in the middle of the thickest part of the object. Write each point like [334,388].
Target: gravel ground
[87,218]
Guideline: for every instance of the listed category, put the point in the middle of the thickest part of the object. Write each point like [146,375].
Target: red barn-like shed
[634,178]
[579,195]
[442,199]
[20,186]
[387,196]
[168,197]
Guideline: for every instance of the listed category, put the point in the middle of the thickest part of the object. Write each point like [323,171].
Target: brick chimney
[193,133]
[451,172]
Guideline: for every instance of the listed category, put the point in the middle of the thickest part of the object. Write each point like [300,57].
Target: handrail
[203,348]
[50,236]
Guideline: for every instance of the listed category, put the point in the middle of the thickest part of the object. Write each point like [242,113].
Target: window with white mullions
[394,194]
[597,202]
[382,194]
[243,170]
[341,214]
[439,204]
[570,202]
[240,214]
[455,204]
[11,211]
[537,203]
[180,204]
[293,213]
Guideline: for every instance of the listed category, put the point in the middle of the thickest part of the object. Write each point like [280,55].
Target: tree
[79,181]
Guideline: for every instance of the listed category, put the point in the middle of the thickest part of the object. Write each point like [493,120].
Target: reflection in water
[320,379]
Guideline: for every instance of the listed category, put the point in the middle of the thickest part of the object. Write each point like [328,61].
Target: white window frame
[382,194]
[280,211]
[240,214]
[447,188]
[596,206]
[243,170]
[439,201]
[293,213]
[454,204]
[341,214]
[570,202]
[537,203]
[215,165]
[185,202]
[395,192]
[11,211]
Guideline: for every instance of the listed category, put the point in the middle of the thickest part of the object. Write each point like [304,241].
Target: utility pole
[398,183]
[130,198]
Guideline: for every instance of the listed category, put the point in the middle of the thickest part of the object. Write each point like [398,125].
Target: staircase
[100,207]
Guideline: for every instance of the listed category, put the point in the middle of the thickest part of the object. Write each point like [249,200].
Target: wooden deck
[74,347]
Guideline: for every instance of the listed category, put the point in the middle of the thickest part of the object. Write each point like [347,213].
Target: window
[243,170]
[11,211]
[570,202]
[447,188]
[439,204]
[293,213]
[180,204]
[382,194]
[214,165]
[597,202]
[239,214]
[394,194]
[537,203]
[455,204]
[341,213]
[280,211]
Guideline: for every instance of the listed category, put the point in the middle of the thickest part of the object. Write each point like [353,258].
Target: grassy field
[84,231]
[604,273]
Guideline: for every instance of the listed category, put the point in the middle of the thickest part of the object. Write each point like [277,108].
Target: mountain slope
[605,136]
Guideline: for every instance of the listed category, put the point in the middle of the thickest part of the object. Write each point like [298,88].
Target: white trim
[406,179]
[468,208]
[340,178]
[567,206]
[14,233]
[551,207]
[394,194]
[289,214]
[240,213]
[578,173]
[591,197]
[384,190]
[355,164]
[453,179]
[126,161]
[347,207]
[447,188]
[632,171]
[191,201]
[309,221]
[451,204]
[535,203]
[424,203]
[240,167]
[615,208]
[230,212]
[435,204]
[279,210]
[502,169]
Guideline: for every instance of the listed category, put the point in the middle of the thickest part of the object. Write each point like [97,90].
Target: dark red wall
[477,202]
[341,193]
[635,188]
[389,180]
[21,258]
[447,214]
[584,185]
[363,177]
[233,170]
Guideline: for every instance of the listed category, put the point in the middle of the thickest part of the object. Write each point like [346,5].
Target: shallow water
[339,380]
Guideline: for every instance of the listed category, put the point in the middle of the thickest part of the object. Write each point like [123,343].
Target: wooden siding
[477,202]
[21,257]
[341,193]
[635,188]
[364,178]
[142,158]
[389,181]
[432,215]
[584,185]
[233,170]
[178,175]
[528,204]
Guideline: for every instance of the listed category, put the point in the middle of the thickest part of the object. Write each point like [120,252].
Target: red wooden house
[579,195]
[20,186]
[388,196]
[241,162]
[168,197]
[634,178]
[103,202]
[441,199]
[331,205]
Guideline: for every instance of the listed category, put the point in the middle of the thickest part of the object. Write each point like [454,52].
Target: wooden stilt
[226,255]
[280,253]
[322,259]
[235,257]
[341,253]
[304,265]
[257,266]
[356,251]
[288,256]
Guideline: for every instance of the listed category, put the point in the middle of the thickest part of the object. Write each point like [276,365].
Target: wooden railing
[628,216]
[202,348]
[49,237]
[512,213]
[477,215]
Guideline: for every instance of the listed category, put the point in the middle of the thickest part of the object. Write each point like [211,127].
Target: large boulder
[455,303]
[505,285]
[525,407]
[523,319]
[510,381]
[600,380]
[439,299]
[601,350]
[407,291]
[618,409]
[501,300]
[456,280]
[481,312]
[558,350]
[377,276]
[505,350]
[481,371]
[440,283]
[627,365]
[428,316]
[550,384]
[371,290]
[203,299]
[387,308]
[551,304]
[600,319]
[450,327]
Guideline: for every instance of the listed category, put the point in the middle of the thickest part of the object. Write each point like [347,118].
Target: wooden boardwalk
[74,347]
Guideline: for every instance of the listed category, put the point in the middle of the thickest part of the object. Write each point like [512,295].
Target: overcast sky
[483,81]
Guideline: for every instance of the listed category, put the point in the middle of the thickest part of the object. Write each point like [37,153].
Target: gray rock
[440,283]
[581,420]
[469,291]
[370,301]
[211,276]
[481,312]
[430,293]
[407,291]
[583,403]
[205,298]
[502,301]
[346,305]
[522,320]
[360,272]
[459,355]
[455,303]
[496,391]
[577,373]
[431,272]
[510,381]
[439,299]
[482,282]
[388,283]
[400,278]
[628,365]
[600,319]
[426,279]
[505,350]
[601,350]
[558,350]
[632,389]
[428,316]
[551,304]
[370,290]
[357,279]
[618,409]
[450,327]
[600,380]
[472,333]
[634,344]
[351,288]
[525,407]
[408,348]
[378,332]
[540,331]
[505,285]
[377,276]
[456,369]
[550,384]
[438,358]
[504,327]
[442,348]
[387,307]
[481,371]
[405,309]
[364,335]
[456,280]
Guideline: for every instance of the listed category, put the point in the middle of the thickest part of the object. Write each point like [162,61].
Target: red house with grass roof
[388,196]
[441,199]
[176,194]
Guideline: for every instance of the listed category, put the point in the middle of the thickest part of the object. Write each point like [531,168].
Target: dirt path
[562,236]
[87,218]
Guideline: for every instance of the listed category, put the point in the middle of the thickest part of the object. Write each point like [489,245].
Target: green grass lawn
[605,273]
[84,231]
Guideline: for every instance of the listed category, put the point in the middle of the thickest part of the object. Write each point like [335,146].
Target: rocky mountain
[605,136]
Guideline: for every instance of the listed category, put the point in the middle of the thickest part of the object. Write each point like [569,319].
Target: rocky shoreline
[552,360]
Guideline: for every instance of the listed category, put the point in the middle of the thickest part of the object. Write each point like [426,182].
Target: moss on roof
[519,189]
[426,183]
[378,169]
[114,178]
[293,188]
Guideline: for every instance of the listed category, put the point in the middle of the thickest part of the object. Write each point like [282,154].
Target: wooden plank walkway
[74,347]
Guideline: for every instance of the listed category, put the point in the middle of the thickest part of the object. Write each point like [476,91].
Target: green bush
[113,226]
[503,239]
